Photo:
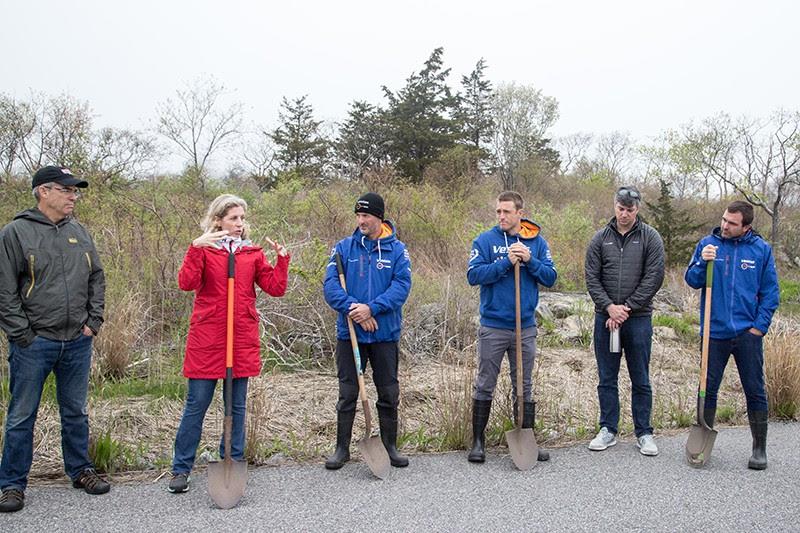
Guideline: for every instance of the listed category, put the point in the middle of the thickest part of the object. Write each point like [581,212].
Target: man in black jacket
[52,291]
[624,270]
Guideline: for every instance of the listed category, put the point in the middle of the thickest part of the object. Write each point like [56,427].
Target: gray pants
[493,344]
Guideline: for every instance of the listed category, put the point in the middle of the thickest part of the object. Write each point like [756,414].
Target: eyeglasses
[628,192]
[64,190]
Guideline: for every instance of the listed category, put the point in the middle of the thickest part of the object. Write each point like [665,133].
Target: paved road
[616,490]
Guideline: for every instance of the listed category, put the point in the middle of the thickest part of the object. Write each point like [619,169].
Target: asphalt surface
[578,490]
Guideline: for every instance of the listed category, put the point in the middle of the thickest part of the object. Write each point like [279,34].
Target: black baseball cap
[60,175]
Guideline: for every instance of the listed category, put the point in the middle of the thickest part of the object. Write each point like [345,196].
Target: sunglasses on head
[627,192]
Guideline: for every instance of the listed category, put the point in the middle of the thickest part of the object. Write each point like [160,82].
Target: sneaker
[12,500]
[647,445]
[179,483]
[603,440]
[89,481]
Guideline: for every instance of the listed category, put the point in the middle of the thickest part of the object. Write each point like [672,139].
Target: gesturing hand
[209,238]
[279,248]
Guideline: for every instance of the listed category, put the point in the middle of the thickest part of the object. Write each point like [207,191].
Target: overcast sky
[637,66]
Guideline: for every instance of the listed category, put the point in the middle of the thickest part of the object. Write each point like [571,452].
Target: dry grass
[782,370]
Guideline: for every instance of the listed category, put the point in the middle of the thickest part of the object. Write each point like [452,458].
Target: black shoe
[12,500]
[480,417]
[89,481]
[344,430]
[758,428]
[179,483]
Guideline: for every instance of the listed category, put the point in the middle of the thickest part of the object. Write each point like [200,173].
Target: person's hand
[618,313]
[513,257]
[369,325]
[611,325]
[359,312]
[87,331]
[521,251]
[709,252]
[756,332]
[209,238]
[279,248]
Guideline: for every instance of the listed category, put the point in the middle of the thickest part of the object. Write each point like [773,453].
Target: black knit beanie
[371,204]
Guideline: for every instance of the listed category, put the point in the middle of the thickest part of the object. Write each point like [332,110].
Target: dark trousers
[383,357]
[748,352]
[636,336]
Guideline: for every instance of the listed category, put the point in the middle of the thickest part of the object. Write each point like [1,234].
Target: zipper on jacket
[733,284]
[88,260]
[66,292]
[33,276]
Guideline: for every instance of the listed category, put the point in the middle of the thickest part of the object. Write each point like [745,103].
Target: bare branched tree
[198,123]
[573,148]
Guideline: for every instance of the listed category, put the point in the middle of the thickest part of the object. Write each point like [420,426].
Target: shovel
[701,437]
[227,478]
[521,441]
[371,447]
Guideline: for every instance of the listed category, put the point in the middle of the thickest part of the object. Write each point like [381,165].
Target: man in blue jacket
[491,265]
[744,297]
[377,269]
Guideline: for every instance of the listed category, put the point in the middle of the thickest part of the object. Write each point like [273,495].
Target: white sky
[637,66]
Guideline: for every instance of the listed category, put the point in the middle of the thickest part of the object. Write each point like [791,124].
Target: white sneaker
[647,445]
[603,440]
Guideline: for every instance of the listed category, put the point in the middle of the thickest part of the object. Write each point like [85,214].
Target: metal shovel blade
[226,482]
[375,455]
[699,445]
[523,448]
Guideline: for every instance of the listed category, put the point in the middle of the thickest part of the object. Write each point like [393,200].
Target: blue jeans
[748,352]
[70,361]
[198,398]
[636,336]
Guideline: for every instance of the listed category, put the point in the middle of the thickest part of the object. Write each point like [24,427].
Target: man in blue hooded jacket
[377,270]
[744,297]
[491,265]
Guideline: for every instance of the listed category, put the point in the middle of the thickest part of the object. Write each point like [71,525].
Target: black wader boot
[345,414]
[480,417]
[758,428]
[528,420]
[344,429]
[708,416]
[388,400]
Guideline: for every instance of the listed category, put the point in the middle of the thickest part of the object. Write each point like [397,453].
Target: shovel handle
[518,335]
[706,328]
[362,391]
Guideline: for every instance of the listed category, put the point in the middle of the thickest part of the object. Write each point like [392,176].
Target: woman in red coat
[205,271]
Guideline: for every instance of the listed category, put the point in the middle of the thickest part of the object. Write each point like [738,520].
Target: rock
[665,333]
[204,458]
[543,313]
[571,328]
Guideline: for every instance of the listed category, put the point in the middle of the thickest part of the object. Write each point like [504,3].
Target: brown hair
[512,196]
[744,208]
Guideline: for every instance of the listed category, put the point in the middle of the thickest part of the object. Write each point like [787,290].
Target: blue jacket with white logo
[490,268]
[377,273]
[745,291]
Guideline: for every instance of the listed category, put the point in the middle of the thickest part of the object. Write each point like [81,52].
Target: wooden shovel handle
[706,328]
[518,331]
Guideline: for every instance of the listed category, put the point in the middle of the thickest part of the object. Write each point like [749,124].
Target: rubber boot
[480,417]
[708,416]
[758,428]
[388,423]
[344,430]
[528,420]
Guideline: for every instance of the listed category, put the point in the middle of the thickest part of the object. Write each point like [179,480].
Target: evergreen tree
[362,143]
[676,226]
[301,149]
[474,112]
[419,118]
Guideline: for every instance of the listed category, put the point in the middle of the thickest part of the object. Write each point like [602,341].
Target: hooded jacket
[51,279]
[377,273]
[490,267]
[205,271]
[625,269]
[745,291]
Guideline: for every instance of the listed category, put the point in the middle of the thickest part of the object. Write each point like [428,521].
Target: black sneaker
[179,483]
[89,481]
[12,500]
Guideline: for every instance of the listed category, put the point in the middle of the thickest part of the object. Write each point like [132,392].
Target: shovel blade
[226,482]
[375,455]
[699,445]
[523,448]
